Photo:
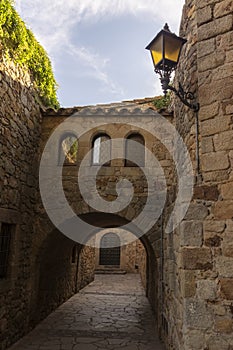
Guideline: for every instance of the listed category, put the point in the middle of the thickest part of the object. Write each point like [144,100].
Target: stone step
[110,271]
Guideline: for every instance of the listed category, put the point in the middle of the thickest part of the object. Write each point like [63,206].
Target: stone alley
[110,313]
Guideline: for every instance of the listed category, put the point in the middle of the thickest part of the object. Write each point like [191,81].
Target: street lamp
[165,50]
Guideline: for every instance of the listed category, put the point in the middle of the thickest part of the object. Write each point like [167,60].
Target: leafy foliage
[163,101]
[20,45]
[70,149]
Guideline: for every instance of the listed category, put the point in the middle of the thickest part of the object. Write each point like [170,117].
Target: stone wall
[40,274]
[20,127]
[86,266]
[132,252]
[141,262]
[199,313]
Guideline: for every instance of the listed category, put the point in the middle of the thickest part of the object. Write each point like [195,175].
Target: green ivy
[163,102]
[20,45]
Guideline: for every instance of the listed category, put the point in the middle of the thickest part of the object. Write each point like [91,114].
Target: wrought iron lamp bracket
[186,97]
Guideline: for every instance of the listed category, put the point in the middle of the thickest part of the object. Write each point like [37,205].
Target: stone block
[229,56]
[218,90]
[223,8]
[208,112]
[204,15]
[212,240]
[219,310]
[226,285]
[229,105]
[215,126]
[191,233]
[214,28]
[224,41]
[224,266]
[196,211]
[227,249]
[204,3]
[229,226]
[187,283]
[206,47]
[211,61]
[223,209]
[231,158]
[215,161]
[207,145]
[223,141]
[224,71]
[208,193]
[196,258]
[227,190]
[214,226]
[197,315]
[194,340]
[215,176]
[207,290]
[216,342]
[224,325]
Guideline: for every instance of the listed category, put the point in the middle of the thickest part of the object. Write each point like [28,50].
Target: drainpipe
[162,268]
[198,170]
[77,270]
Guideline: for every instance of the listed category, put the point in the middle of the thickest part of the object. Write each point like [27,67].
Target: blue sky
[97,47]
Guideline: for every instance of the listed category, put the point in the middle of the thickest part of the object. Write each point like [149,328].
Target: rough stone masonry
[190,272]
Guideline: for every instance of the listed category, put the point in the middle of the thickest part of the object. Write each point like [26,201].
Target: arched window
[101,152]
[69,149]
[135,154]
[110,250]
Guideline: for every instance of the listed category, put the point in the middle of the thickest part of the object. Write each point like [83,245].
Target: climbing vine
[19,44]
[163,102]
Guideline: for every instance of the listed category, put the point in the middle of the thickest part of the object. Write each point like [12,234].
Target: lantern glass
[156,50]
[172,48]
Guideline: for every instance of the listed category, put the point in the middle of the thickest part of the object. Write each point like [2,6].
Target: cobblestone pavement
[111,313]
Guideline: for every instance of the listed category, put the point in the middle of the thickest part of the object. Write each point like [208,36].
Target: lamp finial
[166,27]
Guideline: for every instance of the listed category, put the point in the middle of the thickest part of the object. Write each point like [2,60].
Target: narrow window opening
[5,241]
[101,151]
[69,149]
[135,155]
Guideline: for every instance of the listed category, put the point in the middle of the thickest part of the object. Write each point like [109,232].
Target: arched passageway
[64,267]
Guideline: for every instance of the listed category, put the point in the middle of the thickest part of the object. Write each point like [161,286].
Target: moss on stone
[19,44]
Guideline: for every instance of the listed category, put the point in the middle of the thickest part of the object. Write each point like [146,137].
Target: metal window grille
[110,250]
[5,240]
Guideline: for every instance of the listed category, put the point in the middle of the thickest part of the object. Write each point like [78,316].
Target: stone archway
[57,279]
[110,221]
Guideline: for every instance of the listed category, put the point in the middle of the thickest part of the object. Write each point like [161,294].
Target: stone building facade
[131,256]
[188,273]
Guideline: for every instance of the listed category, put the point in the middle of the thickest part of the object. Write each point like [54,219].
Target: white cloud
[96,67]
[51,20]
[53,23]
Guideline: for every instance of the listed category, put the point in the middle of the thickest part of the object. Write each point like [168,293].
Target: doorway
[110,250]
